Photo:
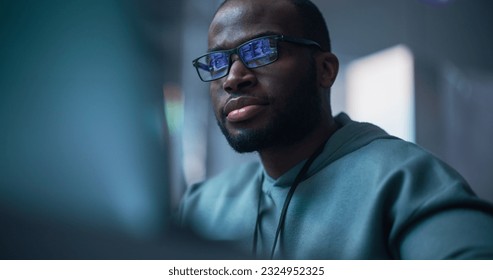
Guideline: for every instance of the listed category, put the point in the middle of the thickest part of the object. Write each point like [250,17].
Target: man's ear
[328,67]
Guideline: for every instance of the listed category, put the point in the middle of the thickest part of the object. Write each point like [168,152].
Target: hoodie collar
[350,137]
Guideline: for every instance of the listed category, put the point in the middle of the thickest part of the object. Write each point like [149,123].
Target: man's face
[273,105]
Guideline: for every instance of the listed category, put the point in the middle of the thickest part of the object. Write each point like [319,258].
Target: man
[326,188]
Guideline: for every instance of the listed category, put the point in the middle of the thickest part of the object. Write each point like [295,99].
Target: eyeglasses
[254,53]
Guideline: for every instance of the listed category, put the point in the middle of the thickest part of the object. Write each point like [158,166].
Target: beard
[300,114]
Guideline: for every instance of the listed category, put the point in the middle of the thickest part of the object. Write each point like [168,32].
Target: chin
[246,140]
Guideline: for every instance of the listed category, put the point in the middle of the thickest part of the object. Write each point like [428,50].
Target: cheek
[293,87]
[216,98]
[288,71]
[281,83]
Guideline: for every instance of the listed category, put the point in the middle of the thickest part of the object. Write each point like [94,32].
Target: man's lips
[243,108]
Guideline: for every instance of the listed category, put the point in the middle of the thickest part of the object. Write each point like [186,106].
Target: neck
[278,160]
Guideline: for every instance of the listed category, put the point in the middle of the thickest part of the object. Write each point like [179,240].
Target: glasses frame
[230,52]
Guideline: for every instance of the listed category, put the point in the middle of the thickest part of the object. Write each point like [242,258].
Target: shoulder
[398,155]
[215,192]
[403,167]
[215,208]
[228,181]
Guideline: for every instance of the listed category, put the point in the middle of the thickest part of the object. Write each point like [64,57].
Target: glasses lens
[255,53]
[212,66]
[258,52]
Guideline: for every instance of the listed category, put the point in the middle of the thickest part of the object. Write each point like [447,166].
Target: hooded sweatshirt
[368,195]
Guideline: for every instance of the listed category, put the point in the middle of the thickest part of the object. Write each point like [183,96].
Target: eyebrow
[258,35]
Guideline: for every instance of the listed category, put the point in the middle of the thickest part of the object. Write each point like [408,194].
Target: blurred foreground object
[84,171]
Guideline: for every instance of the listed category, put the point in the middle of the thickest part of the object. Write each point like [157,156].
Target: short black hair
[313,22]
[314,25]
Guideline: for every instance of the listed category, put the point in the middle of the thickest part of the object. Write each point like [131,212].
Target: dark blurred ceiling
[456,31]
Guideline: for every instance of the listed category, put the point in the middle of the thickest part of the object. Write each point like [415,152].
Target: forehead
[240,20]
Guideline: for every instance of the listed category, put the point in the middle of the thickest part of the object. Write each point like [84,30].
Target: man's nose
[239,78]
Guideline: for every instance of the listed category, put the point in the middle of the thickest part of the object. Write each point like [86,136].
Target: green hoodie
[367,196]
